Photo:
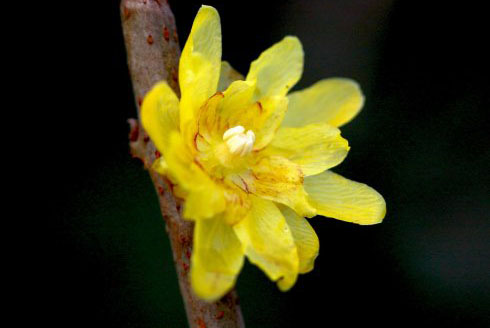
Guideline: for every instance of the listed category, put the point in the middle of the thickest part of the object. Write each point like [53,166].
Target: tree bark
[153,54]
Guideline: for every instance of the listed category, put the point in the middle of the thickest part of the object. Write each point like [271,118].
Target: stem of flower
[153,54]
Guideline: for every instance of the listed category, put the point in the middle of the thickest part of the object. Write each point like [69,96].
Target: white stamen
[239,142]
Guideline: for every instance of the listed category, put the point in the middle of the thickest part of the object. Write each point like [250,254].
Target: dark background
[421,141]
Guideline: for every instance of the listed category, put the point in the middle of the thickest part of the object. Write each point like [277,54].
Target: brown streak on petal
[246,185]
[219,93]
[199,164]
[195,138]
[261,109]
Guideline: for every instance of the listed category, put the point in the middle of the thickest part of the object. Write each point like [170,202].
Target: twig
[153,54]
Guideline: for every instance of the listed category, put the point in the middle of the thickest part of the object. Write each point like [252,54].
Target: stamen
[238,142]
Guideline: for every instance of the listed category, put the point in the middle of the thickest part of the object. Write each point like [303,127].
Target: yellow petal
[280,180]
[208,119]
[200,64]
[237,203]
[205,198]
[335,101]
[160,114]
[268,242]
[205,202]
[337,197]
[238,108]
[217,258]
[315,147]
[266,124]
[227,76]
[278,68]
[226,109]
[304,237]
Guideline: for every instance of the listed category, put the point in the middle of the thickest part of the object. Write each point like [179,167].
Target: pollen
[239,142]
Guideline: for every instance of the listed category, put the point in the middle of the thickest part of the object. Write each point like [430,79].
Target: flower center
[239,142]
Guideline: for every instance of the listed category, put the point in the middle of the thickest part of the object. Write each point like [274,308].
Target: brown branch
[153,53]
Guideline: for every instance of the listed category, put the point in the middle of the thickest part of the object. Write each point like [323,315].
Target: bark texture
[153,54]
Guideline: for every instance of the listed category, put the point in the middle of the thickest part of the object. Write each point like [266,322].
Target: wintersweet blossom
[252,161]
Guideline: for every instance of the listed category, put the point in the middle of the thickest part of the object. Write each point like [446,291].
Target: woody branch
[153,54]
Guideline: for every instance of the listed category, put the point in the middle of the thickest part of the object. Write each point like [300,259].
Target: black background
[421,141]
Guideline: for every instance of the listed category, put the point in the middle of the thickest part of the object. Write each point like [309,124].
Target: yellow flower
[252,161]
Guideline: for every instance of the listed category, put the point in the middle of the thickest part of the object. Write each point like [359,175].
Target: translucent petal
[237,203]
[268,242]
[337,197]
[205,202]
[217,258]
[314,147]
[205,198]
[237,107]
[280,180]
[335,101]
[160,114]
[227,76]
[200,64]
[262,117]
[278,68]
[208,118]
[304,237]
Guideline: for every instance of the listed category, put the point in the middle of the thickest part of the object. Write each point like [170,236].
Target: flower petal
[337,197]
[200,64]
[205,198]
[304,237]
[334,101]
[237,203]
[217,258]
[268,242]
[315,147]
[262,117]
[278,179]
[278,68]
[238,108]
[228,75]
[160,114]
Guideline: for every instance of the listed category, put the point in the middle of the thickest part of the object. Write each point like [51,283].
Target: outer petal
[334,101]
[315,147]
[276,178]
[269,243]
[227,76]
[205,198]
[200,64]
[337,197]
[278,68]
[305,239]
[217,258]
[160,114]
